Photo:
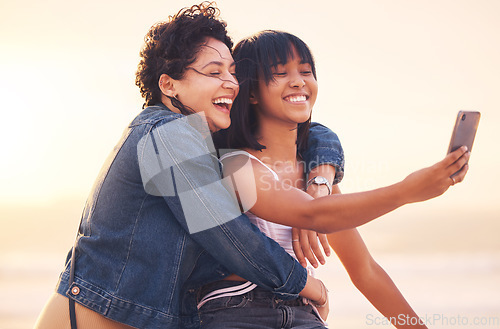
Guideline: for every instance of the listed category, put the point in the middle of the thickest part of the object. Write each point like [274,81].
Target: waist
[246,289]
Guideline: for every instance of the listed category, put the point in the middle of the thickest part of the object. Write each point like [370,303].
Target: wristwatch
[320,180]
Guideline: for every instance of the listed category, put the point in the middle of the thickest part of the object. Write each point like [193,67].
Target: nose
[230,82]
[297,81]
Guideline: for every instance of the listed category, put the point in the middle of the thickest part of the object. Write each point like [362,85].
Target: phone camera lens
[463,117]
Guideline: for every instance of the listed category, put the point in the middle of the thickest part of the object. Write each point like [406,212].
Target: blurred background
[392,76]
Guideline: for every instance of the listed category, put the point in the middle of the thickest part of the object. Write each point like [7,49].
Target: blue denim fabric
[257,309]
[137,262]
[323,147]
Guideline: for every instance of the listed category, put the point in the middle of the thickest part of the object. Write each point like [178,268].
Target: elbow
[308,220]
[323,218]
[319,222]
[364,276]
[326,223]
[309,217]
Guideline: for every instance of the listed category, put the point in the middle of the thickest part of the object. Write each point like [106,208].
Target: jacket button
[75,290]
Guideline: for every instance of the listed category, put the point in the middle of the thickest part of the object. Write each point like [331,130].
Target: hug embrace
[221,196]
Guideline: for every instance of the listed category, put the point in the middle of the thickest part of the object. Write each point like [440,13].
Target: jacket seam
[99,188]
[131,242]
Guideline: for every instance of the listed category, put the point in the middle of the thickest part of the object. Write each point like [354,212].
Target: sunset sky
[392,76]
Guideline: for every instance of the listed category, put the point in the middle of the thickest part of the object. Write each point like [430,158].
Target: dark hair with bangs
[255,58]
[171,46]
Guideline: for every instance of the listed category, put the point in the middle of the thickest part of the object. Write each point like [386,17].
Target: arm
[176,164]
[307,243]
[323,148]
[293,207]
[370,279]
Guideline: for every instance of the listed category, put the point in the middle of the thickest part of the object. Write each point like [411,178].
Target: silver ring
[296,240]
[453,180]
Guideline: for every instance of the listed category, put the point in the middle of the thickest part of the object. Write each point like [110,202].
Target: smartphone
[464,130]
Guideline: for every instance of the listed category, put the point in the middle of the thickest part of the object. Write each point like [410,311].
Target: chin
[221,125]
[303,118]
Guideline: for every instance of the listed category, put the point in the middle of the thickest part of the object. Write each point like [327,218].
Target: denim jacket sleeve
[323,147]
[177,163]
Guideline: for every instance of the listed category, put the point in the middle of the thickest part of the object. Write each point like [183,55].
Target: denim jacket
[142,250]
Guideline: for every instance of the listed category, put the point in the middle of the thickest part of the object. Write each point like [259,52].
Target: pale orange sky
[392,76]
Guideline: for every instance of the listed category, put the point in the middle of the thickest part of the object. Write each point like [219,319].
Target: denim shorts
[256,309]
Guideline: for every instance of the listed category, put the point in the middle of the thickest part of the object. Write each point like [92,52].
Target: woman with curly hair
[159,222]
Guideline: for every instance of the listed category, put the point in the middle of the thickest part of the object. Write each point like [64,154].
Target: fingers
[316,249]
[306,248]
[324,242]
[459,164]
[297,248]
[452,157]
[459,176]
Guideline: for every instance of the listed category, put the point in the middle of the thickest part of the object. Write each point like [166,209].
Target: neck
[280,141]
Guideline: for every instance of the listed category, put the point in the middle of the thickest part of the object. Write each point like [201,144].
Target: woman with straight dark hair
[270,118]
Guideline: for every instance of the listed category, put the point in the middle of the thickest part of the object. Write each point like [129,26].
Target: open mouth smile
[223,103]
[296,98]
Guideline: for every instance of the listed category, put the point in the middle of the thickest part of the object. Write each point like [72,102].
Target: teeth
[294,99]
[223,100]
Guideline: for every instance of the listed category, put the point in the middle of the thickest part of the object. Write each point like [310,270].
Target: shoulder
[245,165]
[164,132]
[161,120]
[152,115]
[320,131]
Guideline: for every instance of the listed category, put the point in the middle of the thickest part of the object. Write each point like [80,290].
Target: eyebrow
[218,63]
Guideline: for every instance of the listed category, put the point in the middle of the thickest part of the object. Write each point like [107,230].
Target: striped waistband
[234,288]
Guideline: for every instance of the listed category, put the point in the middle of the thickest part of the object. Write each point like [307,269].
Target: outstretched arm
[290,206]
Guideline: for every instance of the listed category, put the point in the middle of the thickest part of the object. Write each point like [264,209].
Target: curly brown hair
[171,46]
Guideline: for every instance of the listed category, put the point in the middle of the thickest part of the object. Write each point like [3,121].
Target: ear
[167,85]
[253,99]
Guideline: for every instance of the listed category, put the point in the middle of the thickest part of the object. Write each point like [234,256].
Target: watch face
[320,180]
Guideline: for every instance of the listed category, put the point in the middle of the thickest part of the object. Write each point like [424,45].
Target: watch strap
[325,182]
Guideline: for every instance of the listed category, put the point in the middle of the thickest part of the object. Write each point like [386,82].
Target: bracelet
[325,291]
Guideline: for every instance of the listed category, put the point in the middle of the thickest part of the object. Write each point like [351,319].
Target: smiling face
[290,97]
[209,85]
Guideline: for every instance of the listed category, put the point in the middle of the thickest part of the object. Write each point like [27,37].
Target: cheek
[196,97]
[273,93]
[191,101]
[314,91]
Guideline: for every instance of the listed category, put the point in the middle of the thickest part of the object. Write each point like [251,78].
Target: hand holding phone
[464,130]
